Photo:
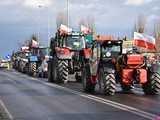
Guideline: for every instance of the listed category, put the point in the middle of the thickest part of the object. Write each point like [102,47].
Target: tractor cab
[111,49]
[66,49]
[73,41]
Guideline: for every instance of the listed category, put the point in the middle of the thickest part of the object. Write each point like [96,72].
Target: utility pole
[39,7]
[68,12]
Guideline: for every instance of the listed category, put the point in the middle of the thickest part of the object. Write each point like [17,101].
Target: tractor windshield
[111,50]
[44,52]
[75,42]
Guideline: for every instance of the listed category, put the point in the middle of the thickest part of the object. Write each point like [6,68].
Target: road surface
[27,98]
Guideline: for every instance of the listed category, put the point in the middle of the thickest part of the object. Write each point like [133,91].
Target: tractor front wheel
[107,82]
[153,85]
[62,71]
[110,84]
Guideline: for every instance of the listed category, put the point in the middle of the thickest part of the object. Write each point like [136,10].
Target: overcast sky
[19,19]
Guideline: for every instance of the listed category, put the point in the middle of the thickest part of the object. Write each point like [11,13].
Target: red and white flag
[34,44]
[24,48]
[64,29]
[85,30]
[145,41]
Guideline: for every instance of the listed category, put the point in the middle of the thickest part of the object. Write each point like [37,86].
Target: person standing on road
[95,57]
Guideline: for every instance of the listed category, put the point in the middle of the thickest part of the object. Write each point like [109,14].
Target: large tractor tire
[108,81]
[110,84]
[62,71]
[32,68]
[50,69]
[86,79]
[152,87]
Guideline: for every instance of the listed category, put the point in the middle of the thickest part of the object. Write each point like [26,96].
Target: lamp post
[38,21]
[68,13]
[39,7]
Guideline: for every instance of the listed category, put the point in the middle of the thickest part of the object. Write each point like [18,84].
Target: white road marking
[6,110]
[109,102]
[117,105]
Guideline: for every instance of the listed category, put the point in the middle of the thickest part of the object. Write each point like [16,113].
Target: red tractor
[134,70]
[101,68]
[68,53]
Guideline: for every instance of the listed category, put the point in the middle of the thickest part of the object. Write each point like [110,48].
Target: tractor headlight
[108,54]
[112,71]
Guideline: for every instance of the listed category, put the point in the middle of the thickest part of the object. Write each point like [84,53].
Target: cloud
[9,2]
[137,2]
[20,18]
[156,8]
[153,17]
[37,3]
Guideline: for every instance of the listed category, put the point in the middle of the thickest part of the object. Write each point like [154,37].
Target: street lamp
[43,6]
[68,12]
[38,21]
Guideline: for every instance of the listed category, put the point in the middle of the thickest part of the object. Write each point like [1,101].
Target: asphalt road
[27,98]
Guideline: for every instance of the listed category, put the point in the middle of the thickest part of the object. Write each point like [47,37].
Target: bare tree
[82,22]
[140,25]
[33,37]
[88,22]
[91,23]
[61,19]
[157,34]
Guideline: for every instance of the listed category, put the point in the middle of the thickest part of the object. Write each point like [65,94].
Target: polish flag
[24,48]
[64,29]
[34,44]
[145,41]
[85,30]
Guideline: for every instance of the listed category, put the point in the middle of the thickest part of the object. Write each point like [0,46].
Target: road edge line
[108,102]
[6,110]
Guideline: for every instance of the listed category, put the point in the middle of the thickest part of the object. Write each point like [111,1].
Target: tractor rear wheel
[62,71]
[153,85]
[86,79]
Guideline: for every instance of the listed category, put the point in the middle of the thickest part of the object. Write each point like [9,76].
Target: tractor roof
[73,33]
[105,38]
